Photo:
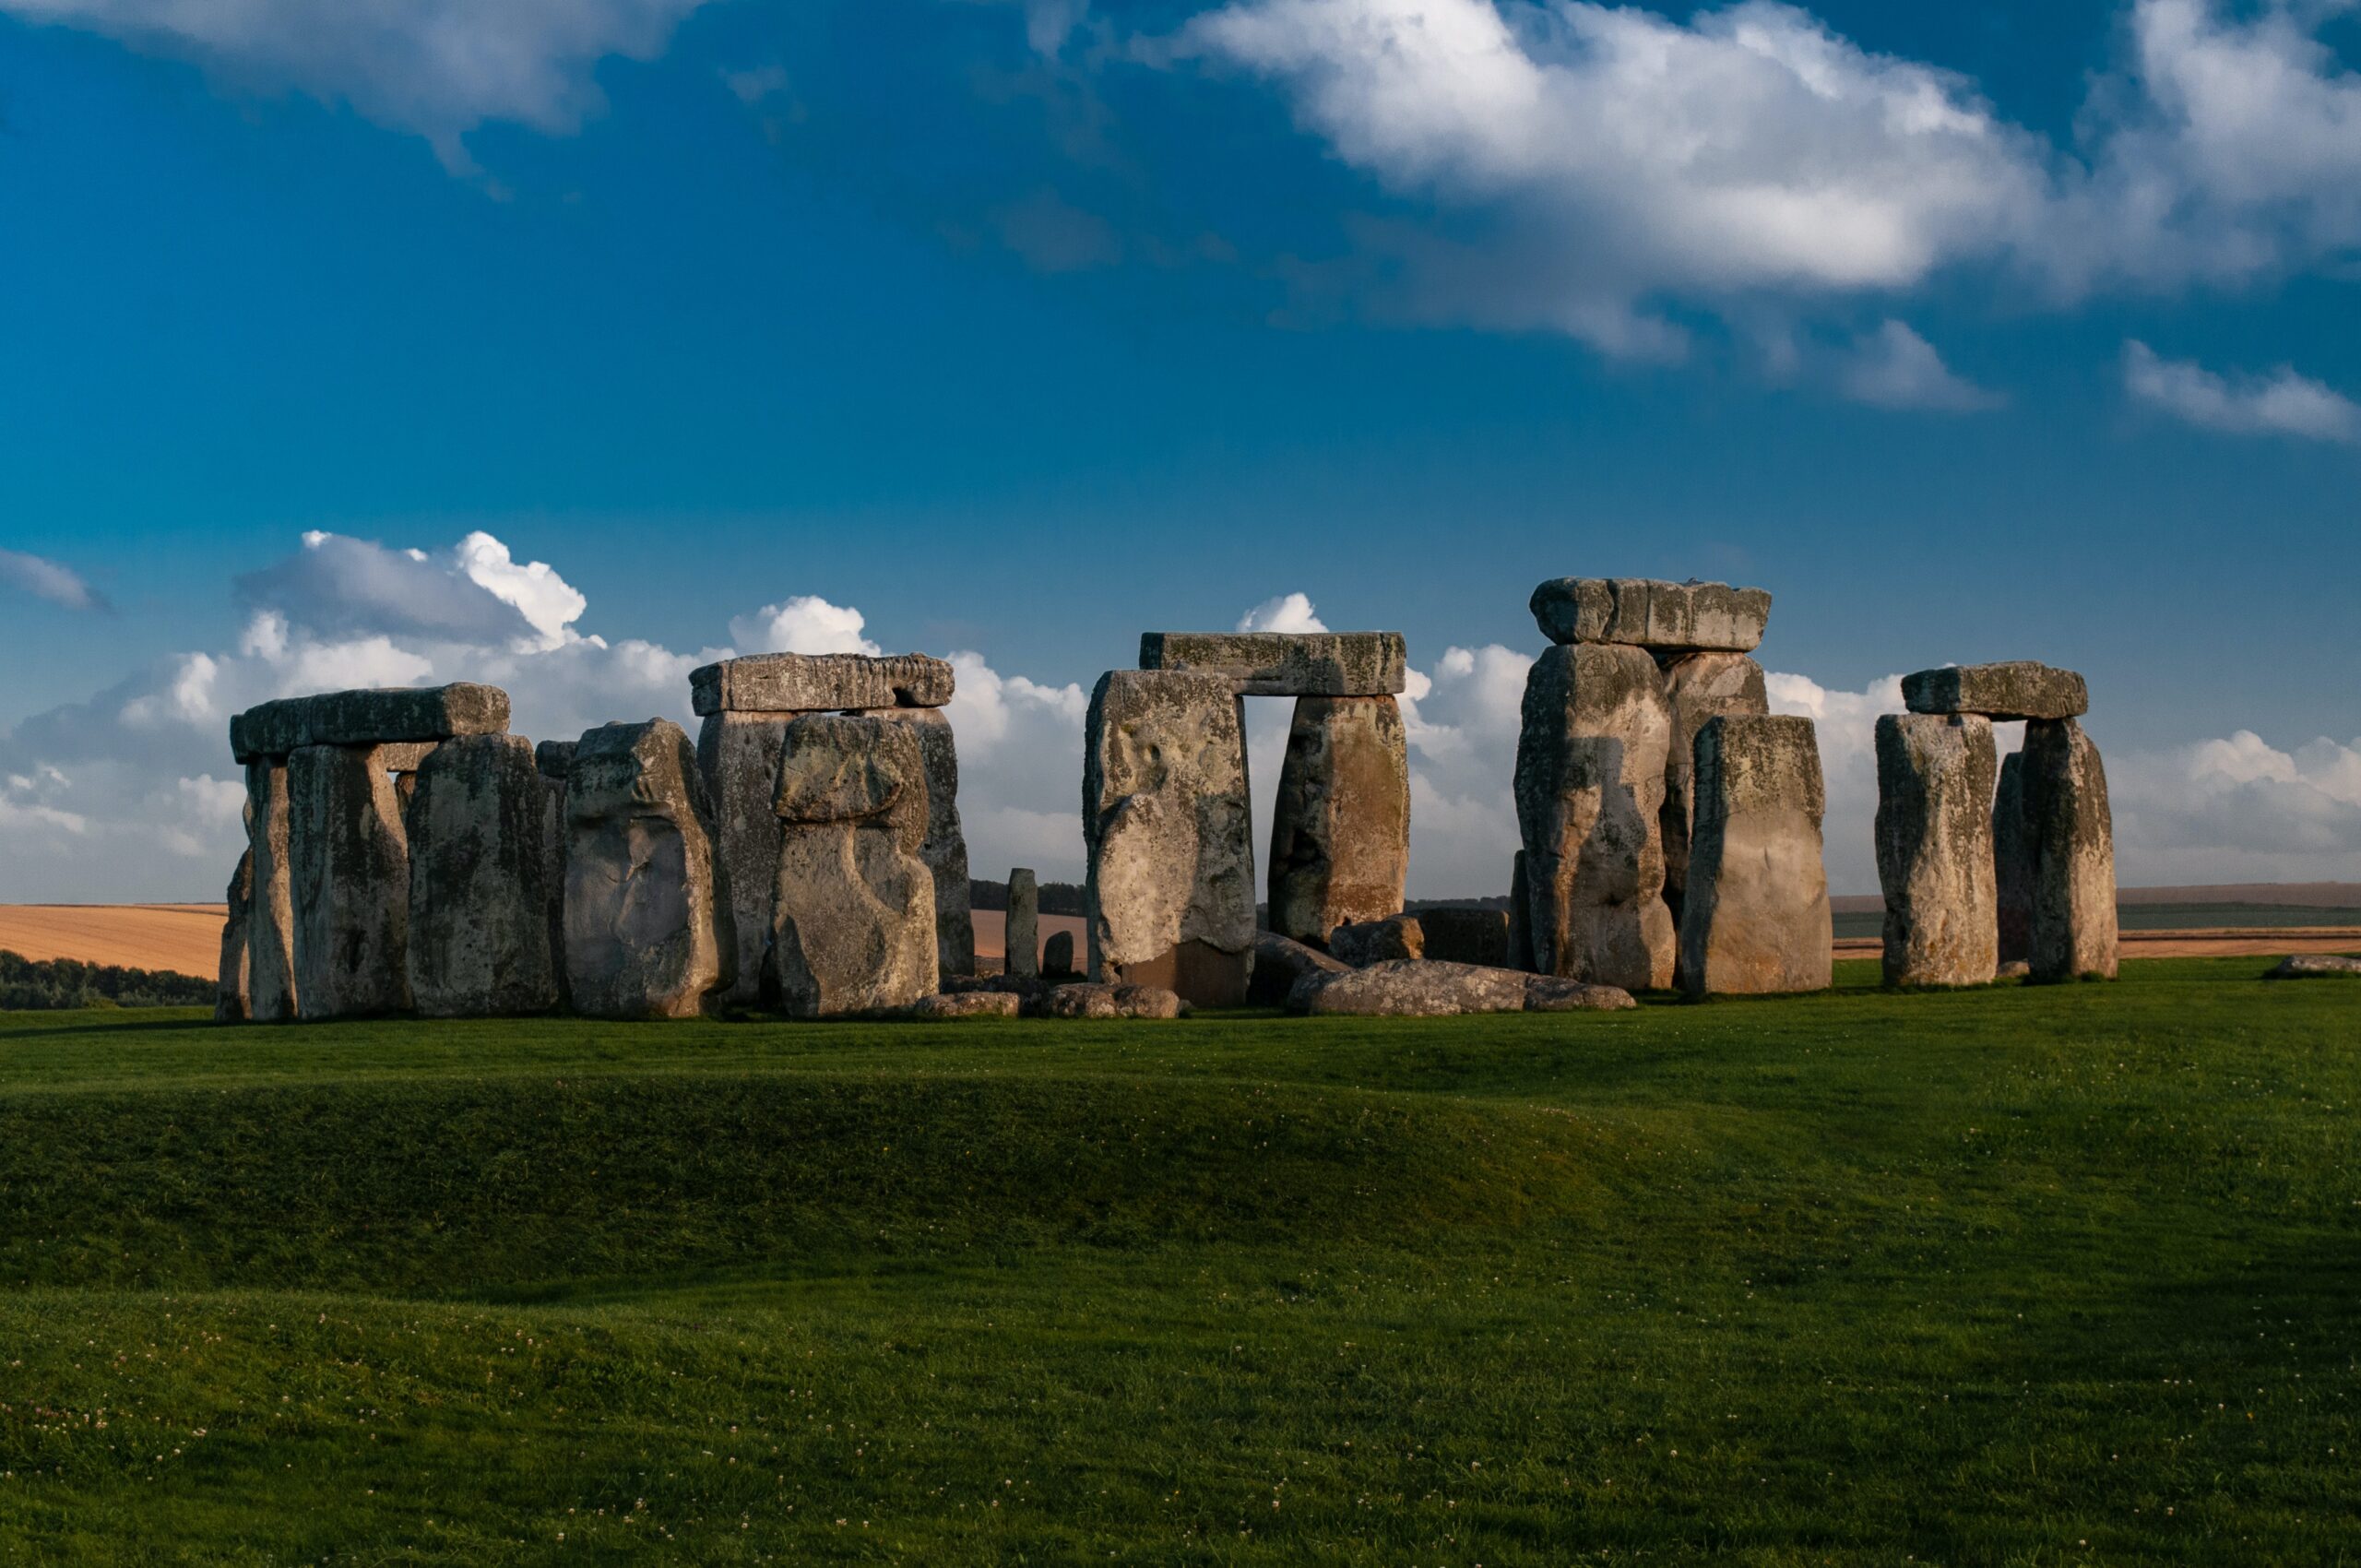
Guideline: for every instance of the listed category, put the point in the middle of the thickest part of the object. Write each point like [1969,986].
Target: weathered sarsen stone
[1169,830]
[1590,772]
[368,718]
[2013,863]
[819,682]
[481,875]
[1698,686]
[1934,846]
[1340,831]
[271,996]
[1663,617]
[2072,828]
[1023,945]
[1286,664]
[852,920]
[945,848]
[1757,920]
[348,865]
[1281,963]
[230,1006]
[1422,988]
[555,759]
[2020,689]
[739,756]
[1057,956]
[1378,941]
[648,929]
[1520,915]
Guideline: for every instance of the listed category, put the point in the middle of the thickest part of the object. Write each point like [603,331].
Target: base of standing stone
[2072,830]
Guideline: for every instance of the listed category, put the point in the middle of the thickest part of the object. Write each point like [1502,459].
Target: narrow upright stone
[230,1003]
[1698,686]
[1023,945]
[2013,862]
[1057,956]
[1934,844]
[852,920]
[739,756]
[1169,830]
[1665,618]
[1590,773]
[350,864]
[1757,918]
[649,931]
[1520,916]
[1340,832]
[945,849]
[2072,827]
[271,993]
[479,880]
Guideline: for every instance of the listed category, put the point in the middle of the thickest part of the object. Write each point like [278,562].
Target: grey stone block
[350,877]
[1698,686]
[368,718]
[1286,664]
[2020,689]
[230,1005]
[648,927]
[480,882]
[1023,946]
[1936,778]
[1663,617]
[1340,830]
[820,682]
[2072,827]
[852,921]
[1757,920]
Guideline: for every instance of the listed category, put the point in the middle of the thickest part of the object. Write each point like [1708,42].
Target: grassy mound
[2021,1275]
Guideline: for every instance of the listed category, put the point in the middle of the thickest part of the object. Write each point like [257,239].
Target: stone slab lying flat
[1659,617]
[368,718]
[1286,664]
[2317,965]
[820,682]
[2019,689]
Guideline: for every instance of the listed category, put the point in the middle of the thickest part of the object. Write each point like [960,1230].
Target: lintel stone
[368,718]
[820,682]
[2019,689]
[1286,664]
[1666,618]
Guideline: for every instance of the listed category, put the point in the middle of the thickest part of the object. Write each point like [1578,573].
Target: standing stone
[2072,828]
[479,880]
[271,995]
[1757,918]
[1340,832]
[230,1005]
[852,921]
[554,758]
[1934,844]
[1520,916]
[945,849]
[1700,686]
[350,866]
[1590,772]
[739,756]
[1023,945]
[649,931]
[1057,956]
[1169,830]
[2013,862]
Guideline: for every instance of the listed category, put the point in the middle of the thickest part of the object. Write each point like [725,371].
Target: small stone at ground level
[2317,965]
[1412,987]
[1547,993]
[1280,962]
[1378,941]
[2019,689]
[964,1005]
[368,718]
[1021,947]
[1457,935]
[1057,956]
[1286,664]
[1094,1000]
[1663,617]
[820,682]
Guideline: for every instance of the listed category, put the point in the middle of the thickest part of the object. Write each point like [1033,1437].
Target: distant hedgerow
[56,983]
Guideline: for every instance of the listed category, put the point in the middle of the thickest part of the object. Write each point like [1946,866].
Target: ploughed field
[2023,1276]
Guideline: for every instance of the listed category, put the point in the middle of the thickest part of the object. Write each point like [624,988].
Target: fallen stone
[1466,936]
[2316,965]
[368,718]
[1378,941]
[1590,781]
[738,755]
[271,996]
[1098,1001]
[2072,828]
[964,1005]
[819,682]
[1547,993]
[230,1005]
[1934,847]
[1023,945]
[1057,956]
[852,922]
[1169,830]
[1757,920]
[2020,689]
[481,876]
[1664,617]
[555,757]
[2014,853]
[1698,687]
[945,850]
[348,865]
[1280,962]
[1286,664]
[648,927]
[1340,830]
[1411,988]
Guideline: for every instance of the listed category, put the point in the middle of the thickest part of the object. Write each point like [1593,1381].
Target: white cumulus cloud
[806,623]
[2279,403]
[1287,612]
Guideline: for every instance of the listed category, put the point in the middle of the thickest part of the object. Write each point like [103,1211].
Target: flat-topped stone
[820,682]
[553,757]
[1662,617]
[368,718]
[1286,664]
[2019,689]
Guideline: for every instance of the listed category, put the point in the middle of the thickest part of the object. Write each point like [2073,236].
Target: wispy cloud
[2278,403]
[1895,368]
[47,579]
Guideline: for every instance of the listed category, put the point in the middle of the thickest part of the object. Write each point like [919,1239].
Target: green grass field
[2025,1275]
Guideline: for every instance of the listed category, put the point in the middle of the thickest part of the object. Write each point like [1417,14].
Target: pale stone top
[2020,689]
[1690,617]
[368,718]
[1284,664]
[820,682]
[1749,763]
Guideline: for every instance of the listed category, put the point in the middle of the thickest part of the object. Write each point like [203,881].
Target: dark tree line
[29,987]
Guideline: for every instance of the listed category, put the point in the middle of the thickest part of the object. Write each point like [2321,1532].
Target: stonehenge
[2013,857]
[2072,828]
[1340,832]
[1057,956]
[348,873]
[483,878]
[1760,920]
[1936,779]
[230,1003]
[1021,945]
[1700,686]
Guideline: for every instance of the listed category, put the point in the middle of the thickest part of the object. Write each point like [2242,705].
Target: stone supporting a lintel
[230,994]
[648,930]
[2071,826]
[945,850]
[1757,918]
[1936,781]
[1169,830]
[484,876]
[348,864]
[1700,688]
[1340,831]
[271,993]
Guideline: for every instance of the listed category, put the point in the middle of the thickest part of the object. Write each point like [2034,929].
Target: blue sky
[1972,332]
